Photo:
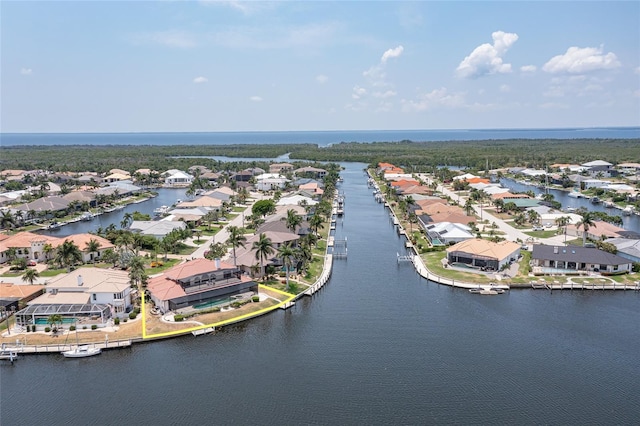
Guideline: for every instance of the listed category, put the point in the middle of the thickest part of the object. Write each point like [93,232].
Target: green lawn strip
[166,264]
[542,234]
[433,263]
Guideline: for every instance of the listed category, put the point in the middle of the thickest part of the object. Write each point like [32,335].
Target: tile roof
[15,291]
[485,248]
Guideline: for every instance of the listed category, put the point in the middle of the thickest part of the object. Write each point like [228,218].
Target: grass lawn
[166,264]
[433,263]
[542,234]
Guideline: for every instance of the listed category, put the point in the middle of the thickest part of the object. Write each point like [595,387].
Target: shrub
[178,317]
[256,298]
[84,327]
[28,328]
[116,320]
[72,328]
[133,314]
[94,327]
[125,319]
[235,304]
[47,329]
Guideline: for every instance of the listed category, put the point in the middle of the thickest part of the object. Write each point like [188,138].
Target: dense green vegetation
[417,155]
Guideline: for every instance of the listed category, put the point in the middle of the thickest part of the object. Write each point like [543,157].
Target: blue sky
[256,66]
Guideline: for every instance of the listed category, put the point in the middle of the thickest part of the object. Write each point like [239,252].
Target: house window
[94,297]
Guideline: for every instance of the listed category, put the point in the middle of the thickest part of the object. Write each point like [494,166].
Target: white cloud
[170,38]
[553,105]
[637,70]
[505,88]
[528,68]
[384,95]
[255,99]
[391,53]
[26,71]
[580,60]
[200,79]
[436,98]
[321,78]
[245,7]
[487,58]
[358,92]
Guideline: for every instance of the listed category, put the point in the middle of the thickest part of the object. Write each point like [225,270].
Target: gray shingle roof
[577,254]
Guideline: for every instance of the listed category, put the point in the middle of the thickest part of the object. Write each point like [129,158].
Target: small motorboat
[82,351]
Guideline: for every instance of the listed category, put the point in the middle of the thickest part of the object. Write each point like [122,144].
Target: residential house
[309,171]
[175,177]
[246,257]
[576,258]
[599,230]
[85,297]
[600,168]
[447,233]
[279,168]
[485,254]
[156,228]
[198,282]
[629,248]
[13,296]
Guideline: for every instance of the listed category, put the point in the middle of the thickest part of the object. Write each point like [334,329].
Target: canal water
[377,345]
[166,197]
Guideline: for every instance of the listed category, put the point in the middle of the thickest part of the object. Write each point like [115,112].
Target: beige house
[483,254]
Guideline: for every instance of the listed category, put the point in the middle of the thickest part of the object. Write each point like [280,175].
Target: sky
[197,66]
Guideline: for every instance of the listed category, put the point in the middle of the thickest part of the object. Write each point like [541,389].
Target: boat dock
[21,348]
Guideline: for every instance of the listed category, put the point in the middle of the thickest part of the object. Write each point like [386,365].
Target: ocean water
[321,138]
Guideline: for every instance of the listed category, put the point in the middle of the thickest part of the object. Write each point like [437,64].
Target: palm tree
[263,248]
[316,222]
[499,203]
[468,207]
[236,239]
[287,254]
[92,246]
[126,220]
[30,275]
[587,221]
[7,220]
[292,220]
[137,274]
[211,216]
[53,320]
[533,216]
[68,254]
[562,222]
[47,249]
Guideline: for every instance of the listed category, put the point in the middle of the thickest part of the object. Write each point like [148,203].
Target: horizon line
[329,131]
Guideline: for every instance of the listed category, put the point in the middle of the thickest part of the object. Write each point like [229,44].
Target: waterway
[166,197]
[630,223]
[377,345]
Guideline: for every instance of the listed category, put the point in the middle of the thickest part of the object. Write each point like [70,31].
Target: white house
[270,181]
[594,183]
[446,233]
[175,177]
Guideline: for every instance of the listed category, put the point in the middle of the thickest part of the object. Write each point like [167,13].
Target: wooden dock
[20,348]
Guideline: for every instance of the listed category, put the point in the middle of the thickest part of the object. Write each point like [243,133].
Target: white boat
[161,210]
[608,204]
[87,216]
[627,211]
[82,351]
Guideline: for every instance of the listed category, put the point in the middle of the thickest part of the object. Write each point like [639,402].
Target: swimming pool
[43,321]
[213,303]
